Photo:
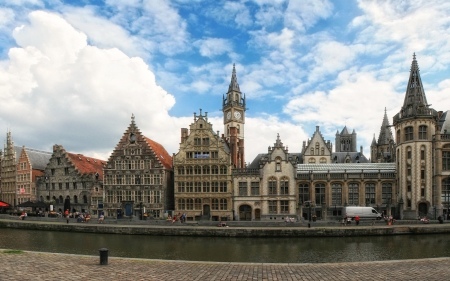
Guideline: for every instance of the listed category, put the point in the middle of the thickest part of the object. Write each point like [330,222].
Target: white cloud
[78,95]
[211,47]
[6,17]
[300,15]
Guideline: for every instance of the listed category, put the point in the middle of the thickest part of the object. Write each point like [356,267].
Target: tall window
[223,204]
[284,186]
[206,187]
[446,160]
[370,193]
[215,204]
[278,165]
[272,206]
[408,152]
[284,206]
[320,193]
[386,193]
[445,194]
[398,136]
[303,193]
[336,194]
[272,184]
[408,133]
[255,188]
[422,132]
[243,188]
[181,204]
[353,194]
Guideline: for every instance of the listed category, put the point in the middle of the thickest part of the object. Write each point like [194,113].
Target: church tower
[345,142]
[383,151]
[415,126]
[233,107]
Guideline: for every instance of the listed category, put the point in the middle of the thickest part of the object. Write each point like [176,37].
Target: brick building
[138,177]
[72,181]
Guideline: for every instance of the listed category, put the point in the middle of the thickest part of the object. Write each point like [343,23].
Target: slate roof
[346,167]
[354,156]
[38,159]
[161,153]
[87,165]
[444,122]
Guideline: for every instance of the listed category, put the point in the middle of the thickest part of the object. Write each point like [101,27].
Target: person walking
[357,220]
[66,214]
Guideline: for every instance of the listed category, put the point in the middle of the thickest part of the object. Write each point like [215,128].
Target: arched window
[386,192]
[323,160]
[320,193]
[408,152]
[85,200]
[312,150]
[189,170]
[198,204]
[311,160]
[223,170]
[61,200]
[272,186]
[278,164]
[322,151]
[445,160]
[75,199]
[336,194]
[197,170]
[353,194]
[303,193]
[370,193]
[284,186]
[214,170]
[206,170]
[317,148]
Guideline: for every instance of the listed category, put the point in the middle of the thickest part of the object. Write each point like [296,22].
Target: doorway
[206,210]
[245,213]
[257,214]
[128,210]
[423,209]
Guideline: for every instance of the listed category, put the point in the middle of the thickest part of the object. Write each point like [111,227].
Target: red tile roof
[161,153]
[87,165]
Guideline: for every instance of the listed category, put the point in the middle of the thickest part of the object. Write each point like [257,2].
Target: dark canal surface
[269,250]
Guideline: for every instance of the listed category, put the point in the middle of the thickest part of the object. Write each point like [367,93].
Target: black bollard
[103,256]
[309,225]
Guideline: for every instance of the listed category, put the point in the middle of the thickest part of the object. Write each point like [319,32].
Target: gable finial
[132,118]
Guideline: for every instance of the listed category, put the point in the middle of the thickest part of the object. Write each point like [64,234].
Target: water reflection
[270,250]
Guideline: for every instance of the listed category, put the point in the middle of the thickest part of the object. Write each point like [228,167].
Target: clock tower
[233,107]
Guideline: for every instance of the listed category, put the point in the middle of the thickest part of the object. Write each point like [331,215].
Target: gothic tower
[233,107]
[383,151]
[345,142]
[415,126]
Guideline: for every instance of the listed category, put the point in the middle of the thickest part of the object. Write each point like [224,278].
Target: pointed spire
[132,118]
[374,142]
[234,86]
[415,100]
[344,131]
[385,131]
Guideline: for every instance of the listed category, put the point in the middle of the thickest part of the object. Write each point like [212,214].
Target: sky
[73,72]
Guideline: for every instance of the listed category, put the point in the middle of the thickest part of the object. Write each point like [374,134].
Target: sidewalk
[48,266]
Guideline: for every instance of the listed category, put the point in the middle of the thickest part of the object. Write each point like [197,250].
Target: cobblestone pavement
[47,266]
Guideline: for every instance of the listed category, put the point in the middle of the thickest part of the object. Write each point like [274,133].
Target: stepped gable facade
[203,187]
[138,177]
[21,166]
[72,181]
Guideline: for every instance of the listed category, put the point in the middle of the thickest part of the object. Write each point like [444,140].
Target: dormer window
[278,164]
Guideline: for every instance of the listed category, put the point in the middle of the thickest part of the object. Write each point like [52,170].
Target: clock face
[237,115]
[229,115]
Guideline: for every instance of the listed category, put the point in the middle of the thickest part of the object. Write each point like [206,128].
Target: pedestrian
[66,214]
[357,220]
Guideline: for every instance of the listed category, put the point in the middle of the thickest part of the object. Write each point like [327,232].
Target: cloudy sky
[73,72]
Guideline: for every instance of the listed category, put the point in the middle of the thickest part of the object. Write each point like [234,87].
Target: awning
[4,204]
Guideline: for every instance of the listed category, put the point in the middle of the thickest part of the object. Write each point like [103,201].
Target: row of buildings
[208,179]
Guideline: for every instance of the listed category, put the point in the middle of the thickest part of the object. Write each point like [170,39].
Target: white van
[362,212]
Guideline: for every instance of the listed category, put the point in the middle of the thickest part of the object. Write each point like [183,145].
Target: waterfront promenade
[38,266]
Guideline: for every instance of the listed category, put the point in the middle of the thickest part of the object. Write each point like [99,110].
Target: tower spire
[385,131]
[234,86]
[415,100]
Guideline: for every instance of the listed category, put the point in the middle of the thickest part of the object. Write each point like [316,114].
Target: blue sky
[73,72]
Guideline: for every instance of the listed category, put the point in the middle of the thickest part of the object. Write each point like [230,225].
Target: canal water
[224,249]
